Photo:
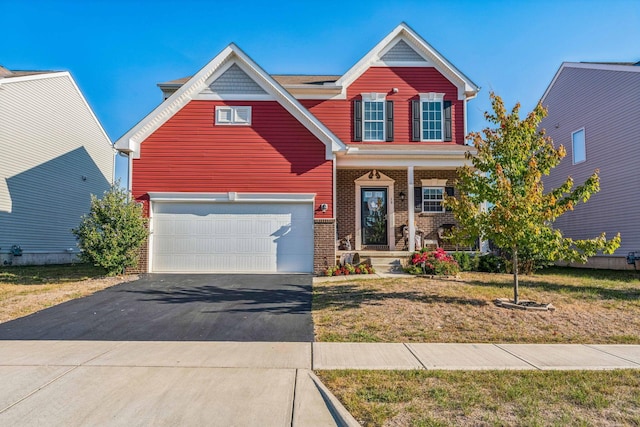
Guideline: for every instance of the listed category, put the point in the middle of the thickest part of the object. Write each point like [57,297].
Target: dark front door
[374,216]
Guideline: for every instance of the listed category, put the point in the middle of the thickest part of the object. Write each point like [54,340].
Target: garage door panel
[232,237]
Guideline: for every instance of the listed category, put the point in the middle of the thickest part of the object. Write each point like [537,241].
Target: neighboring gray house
[594,111]
[55,154]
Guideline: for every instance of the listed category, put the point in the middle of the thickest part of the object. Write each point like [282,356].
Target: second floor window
[431,118]
[373,120]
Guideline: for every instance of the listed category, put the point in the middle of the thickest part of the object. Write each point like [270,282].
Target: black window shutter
[357,120]
[417,199]
[389,120]
[450,192]
[447,120]
[415,120]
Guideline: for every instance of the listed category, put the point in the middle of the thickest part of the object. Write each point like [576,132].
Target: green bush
[111,234]
[490,263]
[436,262]
[467,261]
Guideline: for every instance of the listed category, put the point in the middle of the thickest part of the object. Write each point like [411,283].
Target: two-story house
[594,111]
[55,155]
[242,171]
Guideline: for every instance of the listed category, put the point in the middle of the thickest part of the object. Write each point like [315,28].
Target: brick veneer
[427,222]
[324,234]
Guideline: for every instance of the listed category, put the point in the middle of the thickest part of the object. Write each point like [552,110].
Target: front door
[374,216]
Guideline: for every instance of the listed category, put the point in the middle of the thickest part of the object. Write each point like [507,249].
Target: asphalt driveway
[180,307]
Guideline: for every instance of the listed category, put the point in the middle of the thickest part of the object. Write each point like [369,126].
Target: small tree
[111,234]
[507,174]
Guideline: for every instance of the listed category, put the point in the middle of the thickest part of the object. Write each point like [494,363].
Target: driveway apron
[180,307]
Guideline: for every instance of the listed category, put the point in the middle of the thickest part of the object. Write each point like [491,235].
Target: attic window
[236,115]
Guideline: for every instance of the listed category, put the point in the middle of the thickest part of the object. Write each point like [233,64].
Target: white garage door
[232,237]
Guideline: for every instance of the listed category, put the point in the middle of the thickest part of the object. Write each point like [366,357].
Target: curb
[342,417]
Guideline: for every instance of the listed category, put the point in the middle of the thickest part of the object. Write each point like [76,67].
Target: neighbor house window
[233,115]
[578,146]
[431,118]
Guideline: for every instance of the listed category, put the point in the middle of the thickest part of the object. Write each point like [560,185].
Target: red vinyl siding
[337,115]
[276,154]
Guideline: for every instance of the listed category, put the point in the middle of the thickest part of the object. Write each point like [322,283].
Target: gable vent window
[226,115]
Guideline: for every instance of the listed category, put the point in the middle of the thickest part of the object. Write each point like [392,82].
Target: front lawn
[28,289]
[453,398]
[592,306]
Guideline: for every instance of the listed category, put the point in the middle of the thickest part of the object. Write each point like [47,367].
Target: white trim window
[578,146]
[431,119]
[233,115]
[373,117]
[432,198]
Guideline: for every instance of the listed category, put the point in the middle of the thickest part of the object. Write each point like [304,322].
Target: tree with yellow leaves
[502,197]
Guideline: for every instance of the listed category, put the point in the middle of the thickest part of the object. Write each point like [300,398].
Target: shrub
[111,234]
[436,262]
[348,269]
[466,260]
[490,263]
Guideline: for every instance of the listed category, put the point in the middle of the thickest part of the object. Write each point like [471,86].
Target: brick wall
[142,266]
[346,199]
[325,244]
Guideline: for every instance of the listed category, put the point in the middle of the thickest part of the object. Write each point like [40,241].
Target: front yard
[592,306]
[26,290]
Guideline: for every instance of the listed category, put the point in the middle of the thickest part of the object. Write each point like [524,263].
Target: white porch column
[410,210]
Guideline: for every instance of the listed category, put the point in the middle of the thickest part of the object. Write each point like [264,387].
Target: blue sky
[118,51]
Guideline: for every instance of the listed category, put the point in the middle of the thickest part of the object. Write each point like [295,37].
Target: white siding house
[54,155]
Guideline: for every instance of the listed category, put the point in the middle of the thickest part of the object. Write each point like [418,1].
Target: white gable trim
[130,142]
[466,88]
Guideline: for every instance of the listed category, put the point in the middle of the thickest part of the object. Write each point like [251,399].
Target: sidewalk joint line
[39,388]
[406,345]
[518,357]
[611,354]
[293,399]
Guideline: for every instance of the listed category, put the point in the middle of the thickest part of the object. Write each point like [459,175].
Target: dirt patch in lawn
[591,307]
[26,290]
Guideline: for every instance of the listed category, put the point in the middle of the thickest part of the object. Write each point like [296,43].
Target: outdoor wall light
[324,207]
[402,196]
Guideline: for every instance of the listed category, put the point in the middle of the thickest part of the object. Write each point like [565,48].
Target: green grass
[443,398]
[592,306]
[41,274]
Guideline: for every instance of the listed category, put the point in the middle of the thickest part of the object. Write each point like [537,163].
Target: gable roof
[12,77]
[400,42]
[629,67]
[231,56]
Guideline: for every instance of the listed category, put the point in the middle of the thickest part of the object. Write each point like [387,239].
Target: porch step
[382,261]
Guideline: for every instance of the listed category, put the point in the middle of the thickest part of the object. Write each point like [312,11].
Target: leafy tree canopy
[502,195]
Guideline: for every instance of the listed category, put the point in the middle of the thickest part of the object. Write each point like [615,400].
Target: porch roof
[434,156]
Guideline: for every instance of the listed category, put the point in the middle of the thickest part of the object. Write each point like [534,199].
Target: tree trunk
[515,275]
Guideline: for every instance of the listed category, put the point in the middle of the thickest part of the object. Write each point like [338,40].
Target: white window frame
[233,115]
[432,97]
[374,97]
[433,184]
[573,146]
[442,190]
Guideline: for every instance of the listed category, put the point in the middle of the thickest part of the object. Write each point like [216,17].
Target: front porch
[392,209]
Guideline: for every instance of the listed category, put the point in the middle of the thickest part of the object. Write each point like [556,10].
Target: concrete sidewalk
[79,383]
